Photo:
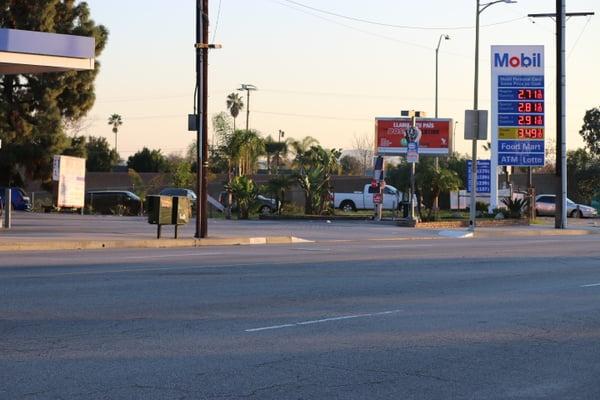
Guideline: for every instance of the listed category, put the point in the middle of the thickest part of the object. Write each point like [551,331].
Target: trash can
[160,210]
[182,210]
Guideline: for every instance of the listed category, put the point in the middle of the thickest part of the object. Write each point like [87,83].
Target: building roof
[27,52]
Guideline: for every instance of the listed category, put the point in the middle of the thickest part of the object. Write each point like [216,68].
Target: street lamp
[478,10]
[437,52]
[247,87]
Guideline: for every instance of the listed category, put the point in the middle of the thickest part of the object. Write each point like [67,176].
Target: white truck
[363,200]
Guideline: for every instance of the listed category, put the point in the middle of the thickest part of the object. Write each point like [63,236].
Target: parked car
[266,205]
[545,204]
[113,202]
[20,201]
[363,200]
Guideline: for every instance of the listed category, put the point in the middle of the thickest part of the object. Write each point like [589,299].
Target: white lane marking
[401,246]
[308,249]
[320,321]
[170,256]
[591,285]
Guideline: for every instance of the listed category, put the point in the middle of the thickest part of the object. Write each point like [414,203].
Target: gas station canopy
[28,52]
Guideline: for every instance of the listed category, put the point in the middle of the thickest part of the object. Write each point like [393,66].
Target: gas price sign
[518,108]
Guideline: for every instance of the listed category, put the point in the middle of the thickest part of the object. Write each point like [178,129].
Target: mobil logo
[506,60]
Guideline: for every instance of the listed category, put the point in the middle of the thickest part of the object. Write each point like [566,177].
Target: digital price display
[521,94]
[530,94]
[530,120]
[530,107]
[521,107]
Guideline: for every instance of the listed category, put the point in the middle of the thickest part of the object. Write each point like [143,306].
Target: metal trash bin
[160,210]
[168,210]
[182,210]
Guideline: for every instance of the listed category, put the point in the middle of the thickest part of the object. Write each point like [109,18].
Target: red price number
[535,120]
[530,94]
[529,107]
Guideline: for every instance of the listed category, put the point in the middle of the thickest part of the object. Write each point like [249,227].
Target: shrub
[515,207]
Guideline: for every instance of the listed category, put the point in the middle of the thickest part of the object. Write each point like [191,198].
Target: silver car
[545,205]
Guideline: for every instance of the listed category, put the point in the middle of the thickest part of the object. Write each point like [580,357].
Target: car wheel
[577,214]
[347,206]
[265,210]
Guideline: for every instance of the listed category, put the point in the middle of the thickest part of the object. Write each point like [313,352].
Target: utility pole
[202,47]
[199,116]
[560,217]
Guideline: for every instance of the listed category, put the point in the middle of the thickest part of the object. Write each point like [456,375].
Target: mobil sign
[391,135]
[504,59]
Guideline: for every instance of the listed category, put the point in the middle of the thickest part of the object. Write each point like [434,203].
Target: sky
[324,68]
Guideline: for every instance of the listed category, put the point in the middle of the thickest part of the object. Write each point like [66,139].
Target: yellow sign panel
[523,133]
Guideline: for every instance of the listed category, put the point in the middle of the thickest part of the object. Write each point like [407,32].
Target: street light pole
[437,159]
[479,8]
[247,87]
[437,52]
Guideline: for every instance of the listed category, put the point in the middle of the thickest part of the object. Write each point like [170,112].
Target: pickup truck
[363,200]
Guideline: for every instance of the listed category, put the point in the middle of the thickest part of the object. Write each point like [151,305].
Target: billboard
[390,136]
[69,173]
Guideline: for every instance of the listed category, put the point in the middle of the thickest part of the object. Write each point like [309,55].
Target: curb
[47,245]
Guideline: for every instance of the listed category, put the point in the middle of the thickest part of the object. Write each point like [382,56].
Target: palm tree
[274,150]
[235,104]
[116,121]
[299,147]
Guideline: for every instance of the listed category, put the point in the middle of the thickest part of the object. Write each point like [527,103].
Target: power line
[217,22]
[414,27]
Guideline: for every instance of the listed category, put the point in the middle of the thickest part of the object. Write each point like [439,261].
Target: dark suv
[113,202]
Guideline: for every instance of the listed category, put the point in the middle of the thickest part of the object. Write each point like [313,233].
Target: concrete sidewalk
[33,231]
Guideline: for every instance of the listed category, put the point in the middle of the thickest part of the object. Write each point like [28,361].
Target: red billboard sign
[390,136]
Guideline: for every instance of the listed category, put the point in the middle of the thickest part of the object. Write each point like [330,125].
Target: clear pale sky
[319,74]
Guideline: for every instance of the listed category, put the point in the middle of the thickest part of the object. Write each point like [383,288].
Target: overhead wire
[217,22]
[414,27]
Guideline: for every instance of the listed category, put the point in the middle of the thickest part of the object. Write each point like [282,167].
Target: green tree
[433,182]
[244,192]
[235,104]
[583,178]
[315,167]
[590,131]
[301,146]
[34,108]
[351,165]
[147,160]
[181,171]
[116,121]
[274,150]
[77,147]
[100,157]
[278,186]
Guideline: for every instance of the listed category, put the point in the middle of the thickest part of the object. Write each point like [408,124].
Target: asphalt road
[423,319]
